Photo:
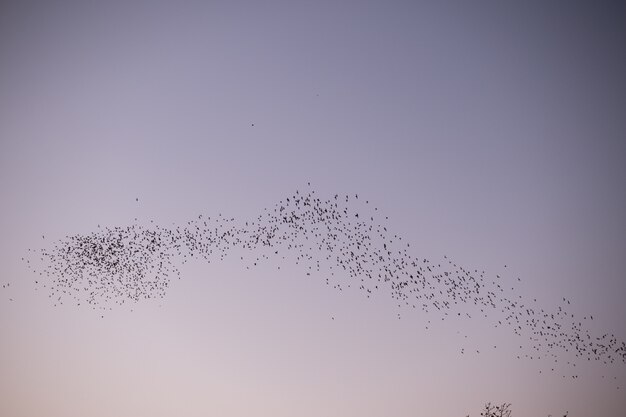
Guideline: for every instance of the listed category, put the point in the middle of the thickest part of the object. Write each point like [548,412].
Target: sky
[491,133]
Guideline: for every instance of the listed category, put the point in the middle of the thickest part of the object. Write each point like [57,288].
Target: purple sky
[492,133]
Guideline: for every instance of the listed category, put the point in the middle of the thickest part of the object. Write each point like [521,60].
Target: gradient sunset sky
[490,132]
